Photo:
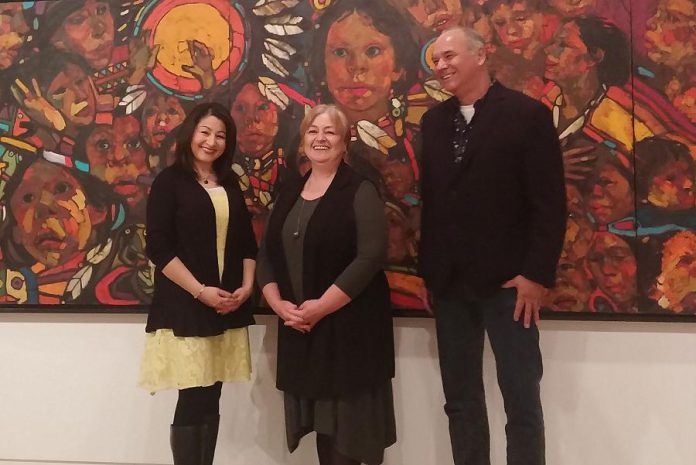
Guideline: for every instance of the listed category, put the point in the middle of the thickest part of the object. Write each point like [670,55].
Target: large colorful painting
[92,93]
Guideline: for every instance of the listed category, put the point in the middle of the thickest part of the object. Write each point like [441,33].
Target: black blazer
[501,211]
[181,223]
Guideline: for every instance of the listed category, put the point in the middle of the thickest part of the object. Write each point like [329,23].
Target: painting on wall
[92,93]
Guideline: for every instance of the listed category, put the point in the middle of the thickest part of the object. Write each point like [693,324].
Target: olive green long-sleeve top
[371,239]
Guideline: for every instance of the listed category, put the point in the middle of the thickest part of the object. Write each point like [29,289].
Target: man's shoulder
[520,101]
[441,109]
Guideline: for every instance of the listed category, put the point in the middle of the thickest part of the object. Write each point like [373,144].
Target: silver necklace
[296,234]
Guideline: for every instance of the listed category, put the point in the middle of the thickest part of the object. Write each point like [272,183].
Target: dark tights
[196,404]
[328,455]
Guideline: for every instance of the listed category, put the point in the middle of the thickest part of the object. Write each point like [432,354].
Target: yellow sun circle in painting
[188,22]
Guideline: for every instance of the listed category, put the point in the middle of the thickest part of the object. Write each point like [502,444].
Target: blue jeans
[461,322]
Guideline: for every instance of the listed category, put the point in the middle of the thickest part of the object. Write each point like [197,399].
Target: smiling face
[13,32]
[53,217]
[116,155]
[517,27]
[323,143]
[208,142]
[360,67]
[256,119]
[671,35]
[72,92]
[161,115]
[88,32]
[457,67]
[613,266]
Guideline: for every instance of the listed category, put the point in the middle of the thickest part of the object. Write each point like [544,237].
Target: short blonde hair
[338,118]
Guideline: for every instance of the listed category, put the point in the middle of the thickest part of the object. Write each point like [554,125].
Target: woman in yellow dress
[200,239]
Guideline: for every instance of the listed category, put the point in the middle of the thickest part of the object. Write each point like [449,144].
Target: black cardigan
[351,349]
[501,211]
[181,223]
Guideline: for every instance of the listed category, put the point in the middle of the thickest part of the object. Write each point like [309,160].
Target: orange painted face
[676,285]
[13,32]
[116,155]
[360,67]
[671,35]
[54,219]
[161,116]
[672,186]
[256,119]
[517,26]
[398,178]
[88,32]
[572,290]
[72,92]
[613,266]
[567,57]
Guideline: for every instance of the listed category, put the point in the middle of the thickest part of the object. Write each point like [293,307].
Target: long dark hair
[183,154]
[614,68]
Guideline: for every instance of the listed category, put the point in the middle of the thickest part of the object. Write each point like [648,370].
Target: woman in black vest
[320,271]
[200,239]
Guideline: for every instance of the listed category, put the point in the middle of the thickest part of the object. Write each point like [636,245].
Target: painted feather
[79,282]
[284,25]
[272,92]
[274,65]
[435,90]
[272,7]
[99,253]
[279,49]
[134,97]
[374,136]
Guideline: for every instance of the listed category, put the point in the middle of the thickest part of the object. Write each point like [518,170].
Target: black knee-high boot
[187,444]
[210,435]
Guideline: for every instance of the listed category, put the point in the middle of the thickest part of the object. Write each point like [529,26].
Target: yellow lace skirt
[171,362]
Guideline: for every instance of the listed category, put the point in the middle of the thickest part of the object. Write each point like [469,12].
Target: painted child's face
[161,116]
[360,66]
[676,285]
[13,32]
[611,197]
[88,32]
[72,92]
[116,155]
[256,119]
[613,266]
[517,26]
[54,219]
[671,35]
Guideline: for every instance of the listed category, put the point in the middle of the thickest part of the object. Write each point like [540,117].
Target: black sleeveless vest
[352,349]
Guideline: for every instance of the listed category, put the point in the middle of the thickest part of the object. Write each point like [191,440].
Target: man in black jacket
[493,223]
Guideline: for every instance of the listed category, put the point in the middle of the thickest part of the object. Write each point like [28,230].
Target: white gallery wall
[614,394]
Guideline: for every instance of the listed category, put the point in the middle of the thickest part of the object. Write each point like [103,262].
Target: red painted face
[613,267]
[256,119]
[517,27]
[54,219]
